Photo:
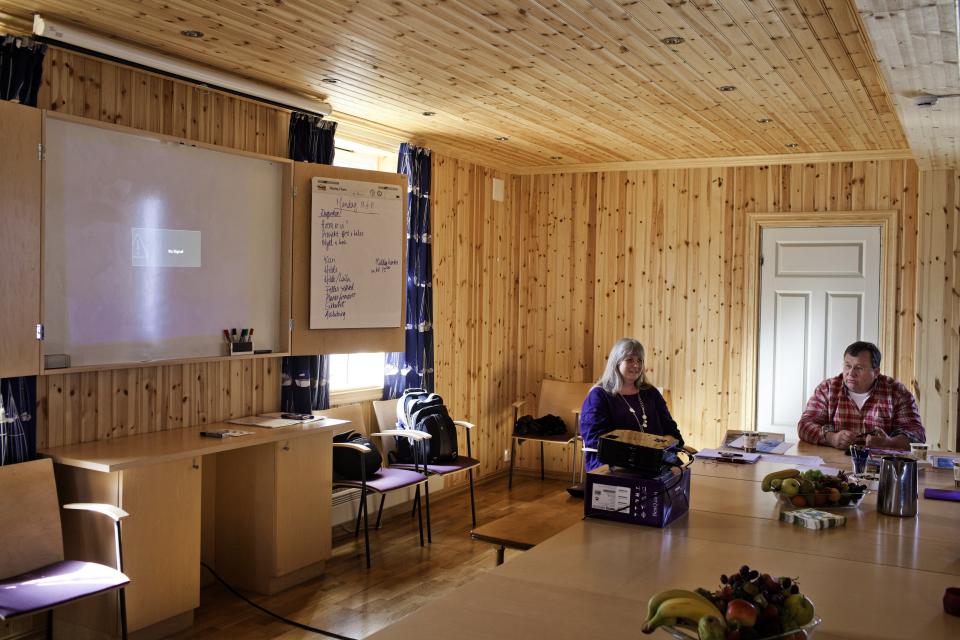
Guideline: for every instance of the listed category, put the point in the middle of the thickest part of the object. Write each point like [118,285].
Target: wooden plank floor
[352,601]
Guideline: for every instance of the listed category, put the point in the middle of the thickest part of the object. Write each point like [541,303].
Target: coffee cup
[919,450]
[750,441]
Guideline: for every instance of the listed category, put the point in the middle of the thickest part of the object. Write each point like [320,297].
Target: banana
[688,608]
[782,474]
[669,594]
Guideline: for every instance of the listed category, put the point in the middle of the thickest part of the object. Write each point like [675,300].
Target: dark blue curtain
[305,379]
[414,366]
[18,429]
[21,69]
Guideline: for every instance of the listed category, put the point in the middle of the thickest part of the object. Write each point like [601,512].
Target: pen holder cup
[239,348]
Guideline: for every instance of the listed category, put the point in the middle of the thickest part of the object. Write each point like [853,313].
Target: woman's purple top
[603,413]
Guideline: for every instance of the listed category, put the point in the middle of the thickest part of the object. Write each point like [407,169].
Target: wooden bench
[531,523]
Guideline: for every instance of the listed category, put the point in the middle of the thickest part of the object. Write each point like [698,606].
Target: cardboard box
[625,496]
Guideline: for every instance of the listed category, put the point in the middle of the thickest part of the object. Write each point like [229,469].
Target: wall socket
[506,455]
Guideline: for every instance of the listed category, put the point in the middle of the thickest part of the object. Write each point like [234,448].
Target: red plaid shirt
[890,407]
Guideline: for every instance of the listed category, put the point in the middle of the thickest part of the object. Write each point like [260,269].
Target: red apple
[741,611]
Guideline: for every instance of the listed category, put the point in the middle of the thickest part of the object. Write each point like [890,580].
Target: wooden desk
[879,577]
[266,497]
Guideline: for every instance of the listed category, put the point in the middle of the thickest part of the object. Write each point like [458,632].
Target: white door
[819,291]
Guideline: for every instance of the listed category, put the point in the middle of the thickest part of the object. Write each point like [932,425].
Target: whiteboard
[356,267]
[151,247]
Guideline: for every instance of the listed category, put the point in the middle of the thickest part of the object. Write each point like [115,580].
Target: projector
[643,453]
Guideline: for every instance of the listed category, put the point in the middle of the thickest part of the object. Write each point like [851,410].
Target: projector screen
[152,248]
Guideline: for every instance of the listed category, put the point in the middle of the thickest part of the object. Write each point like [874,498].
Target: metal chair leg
[513,446]
[420,516]
[366,525]
[360,509]
[50,624]
[573,468]
[426,500]
[122,597]
[541,461]
[473,505]
[416,505]
[383,498]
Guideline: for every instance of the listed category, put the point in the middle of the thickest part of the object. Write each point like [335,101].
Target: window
[353,372]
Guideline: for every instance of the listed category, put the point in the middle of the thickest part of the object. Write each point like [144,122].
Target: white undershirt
[859,399]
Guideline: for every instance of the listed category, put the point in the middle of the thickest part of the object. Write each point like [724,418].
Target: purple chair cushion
[462,463]
[385,480]
[55,584]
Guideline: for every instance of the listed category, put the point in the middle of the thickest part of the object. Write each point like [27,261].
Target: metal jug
[898,486]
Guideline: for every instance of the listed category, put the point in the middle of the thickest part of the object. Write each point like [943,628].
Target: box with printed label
[618,494]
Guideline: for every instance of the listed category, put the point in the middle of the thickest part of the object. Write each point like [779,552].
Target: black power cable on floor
[294,623]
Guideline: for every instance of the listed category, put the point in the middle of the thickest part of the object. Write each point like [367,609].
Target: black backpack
[346,462]
[427,413]
[548,425]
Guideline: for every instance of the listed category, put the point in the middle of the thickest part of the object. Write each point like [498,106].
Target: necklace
[643,411]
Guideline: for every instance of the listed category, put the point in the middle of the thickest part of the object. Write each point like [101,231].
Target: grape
[794,589]
[724,579]
[753,575]
[744,571]
[786,582]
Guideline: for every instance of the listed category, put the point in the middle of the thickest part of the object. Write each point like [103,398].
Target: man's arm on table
[814,425]
[906,423]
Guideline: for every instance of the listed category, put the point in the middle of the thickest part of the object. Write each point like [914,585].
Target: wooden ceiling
[567,82]
[916,46]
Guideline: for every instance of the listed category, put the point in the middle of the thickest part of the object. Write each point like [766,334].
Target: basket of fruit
[813,488]
[748,605]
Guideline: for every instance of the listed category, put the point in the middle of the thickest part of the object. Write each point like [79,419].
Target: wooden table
[258,504]
[530,524]
[878,577]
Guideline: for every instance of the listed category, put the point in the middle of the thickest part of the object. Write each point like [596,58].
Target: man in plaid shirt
[859,404]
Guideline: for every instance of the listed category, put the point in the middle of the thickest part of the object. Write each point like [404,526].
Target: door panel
[819,291]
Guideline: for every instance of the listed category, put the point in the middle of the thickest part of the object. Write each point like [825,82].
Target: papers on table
[804,461]
[763,446]
[272,420]
[727,456]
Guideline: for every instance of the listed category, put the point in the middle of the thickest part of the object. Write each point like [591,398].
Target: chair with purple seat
[385,480]
[386,413]
[34,577]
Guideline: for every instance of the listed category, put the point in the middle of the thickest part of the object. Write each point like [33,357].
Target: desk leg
[500,551]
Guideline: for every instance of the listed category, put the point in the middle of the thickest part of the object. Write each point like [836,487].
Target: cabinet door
[161,540]
[304,479]
[19,239]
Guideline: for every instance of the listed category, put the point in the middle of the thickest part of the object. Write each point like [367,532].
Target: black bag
[346,462]
[428,414]
[548,425]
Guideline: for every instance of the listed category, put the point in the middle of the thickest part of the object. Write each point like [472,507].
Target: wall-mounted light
[88,41]
[930,100]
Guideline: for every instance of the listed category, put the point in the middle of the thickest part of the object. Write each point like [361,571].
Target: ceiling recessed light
[764,120]
[329,80]
[191,33]
[501,138]
[672,40]
[556,157]
[429,113]
[727,87]
[792,145]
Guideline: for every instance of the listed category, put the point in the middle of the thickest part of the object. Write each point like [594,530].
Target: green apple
[790,487]
[797,610]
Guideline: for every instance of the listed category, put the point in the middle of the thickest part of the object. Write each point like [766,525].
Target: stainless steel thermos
[897,494]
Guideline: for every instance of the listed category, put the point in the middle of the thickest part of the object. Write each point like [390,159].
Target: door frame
[887,220]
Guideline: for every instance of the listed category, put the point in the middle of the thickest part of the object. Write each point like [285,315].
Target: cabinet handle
[195,465]
[286,447]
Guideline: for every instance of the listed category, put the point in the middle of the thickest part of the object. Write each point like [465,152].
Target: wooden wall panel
[668,252]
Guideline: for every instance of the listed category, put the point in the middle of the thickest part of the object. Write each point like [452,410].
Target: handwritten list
[357,235]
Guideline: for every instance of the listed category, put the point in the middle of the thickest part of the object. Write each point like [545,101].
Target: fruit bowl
[806,631]
[853,501]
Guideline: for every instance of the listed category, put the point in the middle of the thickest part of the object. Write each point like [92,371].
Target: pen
[233,332]
[250,335]
[243,335]
[226,335]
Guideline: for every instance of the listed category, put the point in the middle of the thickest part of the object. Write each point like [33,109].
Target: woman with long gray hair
[623,399]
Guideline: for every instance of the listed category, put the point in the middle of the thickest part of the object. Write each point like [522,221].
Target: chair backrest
[386,414]
[30,533]
[562,399]
[351,412]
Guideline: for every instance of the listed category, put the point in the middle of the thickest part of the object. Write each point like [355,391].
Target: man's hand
[841,439]
[880,440]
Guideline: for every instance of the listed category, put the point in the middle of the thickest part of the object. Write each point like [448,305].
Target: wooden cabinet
[20,189]
[161,546]
[273,512]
